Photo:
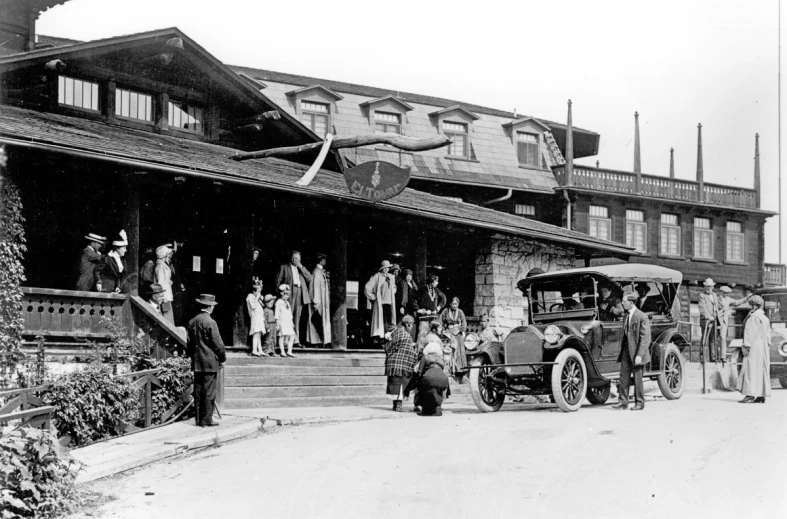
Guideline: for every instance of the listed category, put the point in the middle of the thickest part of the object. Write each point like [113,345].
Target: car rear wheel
[672,378]
[783,381]
[569,380]
[487,397]
[598,395]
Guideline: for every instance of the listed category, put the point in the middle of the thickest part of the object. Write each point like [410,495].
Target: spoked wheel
[783,381]
[672,378]
[487,397]
[598,395]
[569,380]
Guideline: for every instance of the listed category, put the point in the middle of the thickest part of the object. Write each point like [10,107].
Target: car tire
[486,399]
[672,379]
[783,381]
[598,396]
[569,380]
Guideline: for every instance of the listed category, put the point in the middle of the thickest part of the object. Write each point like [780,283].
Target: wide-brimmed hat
[96,238]
[162,251]
[122,240]
[708,283]
[384,265]
[395,268]
[267,298]
[155,288]
[207,299]
[726,289]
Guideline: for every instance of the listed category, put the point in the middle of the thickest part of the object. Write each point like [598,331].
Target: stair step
[302,391]
[305,361]
[328,401]
[242,371]
[300,380]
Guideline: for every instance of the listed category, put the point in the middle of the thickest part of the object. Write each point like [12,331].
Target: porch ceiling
[102,141]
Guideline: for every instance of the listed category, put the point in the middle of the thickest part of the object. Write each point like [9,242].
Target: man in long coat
[709,307]
[206,350]
[295,275]
[320,310]
[634,353]
[755,379]
[163,276]
[380,293]
[90,263]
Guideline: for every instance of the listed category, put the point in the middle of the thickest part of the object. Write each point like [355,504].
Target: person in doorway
[256,317]
[297,277]
[163,276]
[319,332]
[155,296]
[709,318]
[454,322]
[400,361]
[206,350]
[89,266]
[610,307]
[634,353]
[380,293]
[284,322]
[430,300]
[755,379]
[147,272]
[406,288]
[269,340]
[113,268]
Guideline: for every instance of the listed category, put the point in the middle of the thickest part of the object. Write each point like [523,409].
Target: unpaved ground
[701,456]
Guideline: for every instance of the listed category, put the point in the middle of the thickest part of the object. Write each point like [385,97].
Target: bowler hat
[155,288]
[207,299]
[708,283]
[96,238]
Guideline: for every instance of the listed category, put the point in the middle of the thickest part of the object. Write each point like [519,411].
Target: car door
[611,338]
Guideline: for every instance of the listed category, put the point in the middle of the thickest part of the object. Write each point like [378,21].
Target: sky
[676,62]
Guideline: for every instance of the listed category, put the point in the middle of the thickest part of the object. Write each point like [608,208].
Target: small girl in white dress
[284,322]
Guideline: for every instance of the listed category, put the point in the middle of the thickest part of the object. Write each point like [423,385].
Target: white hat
[284,287]
[96,238]
[433,348]
[123,241]
[726,289]
[385,265]
[162,251]
[708,283]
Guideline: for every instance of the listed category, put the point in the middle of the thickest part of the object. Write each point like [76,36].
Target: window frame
[313,115]
[527,209]
[387,124]
[61,81]
[670,227]
[703,231]
[536,144]
[451,133]
[734,234]
[597,220]
[184,107]
[632,224]
[119,95]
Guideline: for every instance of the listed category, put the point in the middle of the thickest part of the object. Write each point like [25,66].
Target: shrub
[176,378]
[92,404]
[35,480]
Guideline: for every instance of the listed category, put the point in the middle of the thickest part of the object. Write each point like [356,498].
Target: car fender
[491,350]
[659,345]
[595,379]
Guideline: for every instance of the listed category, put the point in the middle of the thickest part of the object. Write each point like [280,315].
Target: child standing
[284,322]
[256,317]
[269,341]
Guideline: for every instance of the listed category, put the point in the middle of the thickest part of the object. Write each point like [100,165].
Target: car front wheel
[487,397]
[569,380]
[598,395]
[672,378]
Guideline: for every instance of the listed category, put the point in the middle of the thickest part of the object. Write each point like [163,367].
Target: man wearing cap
[89,266]
[206,349]
[634,353]
[163,276]
[319,330]
[710,307]
[113,268]
[380,293]
[294,275]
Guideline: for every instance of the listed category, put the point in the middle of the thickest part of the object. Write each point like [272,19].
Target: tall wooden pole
[569,164]
[700,174]
[130,209]
[637,159]
[672,172]
[757,186]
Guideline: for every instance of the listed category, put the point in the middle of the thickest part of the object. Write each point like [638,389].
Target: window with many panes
[703,238]
[525,209]
[133,105]
[734,241]
[185,117]
[600,226]
[77,93]
[387,122]
[316,116]
[527,149]
[670,234]
[636,230]
[457,132]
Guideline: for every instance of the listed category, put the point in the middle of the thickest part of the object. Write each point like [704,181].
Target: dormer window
[185,117]
[316,116]
[457,132]
[527,149]
[456,123]
[387,122]
[77,93]
[133,105]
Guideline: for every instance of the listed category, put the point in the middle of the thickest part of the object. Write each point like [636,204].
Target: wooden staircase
[311,379]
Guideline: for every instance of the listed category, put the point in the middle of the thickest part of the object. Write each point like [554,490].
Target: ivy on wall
[12,274]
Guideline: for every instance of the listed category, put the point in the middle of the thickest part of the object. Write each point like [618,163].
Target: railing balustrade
[24,406]
[68,313]
[774,274]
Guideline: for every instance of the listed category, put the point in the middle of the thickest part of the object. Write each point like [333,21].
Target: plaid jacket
[400,355]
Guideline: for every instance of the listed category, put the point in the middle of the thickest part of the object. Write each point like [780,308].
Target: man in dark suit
[206,350]
[297,278]
[90,264]
[645,302]
[634,353]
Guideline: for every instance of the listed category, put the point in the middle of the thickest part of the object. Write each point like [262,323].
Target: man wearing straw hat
[89,267]
[710,307]
[206,350]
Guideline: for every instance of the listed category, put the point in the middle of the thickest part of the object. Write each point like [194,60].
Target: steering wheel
[558,307]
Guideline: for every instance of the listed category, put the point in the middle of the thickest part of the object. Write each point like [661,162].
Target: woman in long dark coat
[400,360]
[113,268]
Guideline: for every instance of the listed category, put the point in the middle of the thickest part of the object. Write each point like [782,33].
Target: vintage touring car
[570,349]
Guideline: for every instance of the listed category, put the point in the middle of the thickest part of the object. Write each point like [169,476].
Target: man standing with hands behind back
[206,350]
[634,353]
[297,278]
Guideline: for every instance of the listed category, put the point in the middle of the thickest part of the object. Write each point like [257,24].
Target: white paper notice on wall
[196,263]
[219,266]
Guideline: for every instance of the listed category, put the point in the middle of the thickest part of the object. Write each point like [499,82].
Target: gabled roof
[321,88]
[524,120]
[455,108]
[405,107]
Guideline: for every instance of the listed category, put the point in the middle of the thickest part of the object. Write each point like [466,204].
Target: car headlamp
[585,329]
[552,334]
[471,341]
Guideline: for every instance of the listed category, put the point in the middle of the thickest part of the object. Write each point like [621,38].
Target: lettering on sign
[377,180]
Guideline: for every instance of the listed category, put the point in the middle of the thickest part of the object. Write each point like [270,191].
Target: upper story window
[525,210]
[185,117]
[133,105]
[734,241]
[457,132]
[600,226]
[636,230]
[387,122]
[315,116]
[670,234]
[527,149]
[77,93]
[703,238]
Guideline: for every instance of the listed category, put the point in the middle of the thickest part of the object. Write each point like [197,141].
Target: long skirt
[398,386]
[460,355]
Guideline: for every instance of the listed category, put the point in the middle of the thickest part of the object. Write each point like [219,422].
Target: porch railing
[24,406]
[608,180]
[774,274]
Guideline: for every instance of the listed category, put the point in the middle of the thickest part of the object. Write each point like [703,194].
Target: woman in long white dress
[755,378]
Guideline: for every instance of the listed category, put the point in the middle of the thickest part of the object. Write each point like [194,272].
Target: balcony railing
[774,275]
[657,187]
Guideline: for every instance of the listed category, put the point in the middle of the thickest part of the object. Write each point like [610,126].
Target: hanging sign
[377,180]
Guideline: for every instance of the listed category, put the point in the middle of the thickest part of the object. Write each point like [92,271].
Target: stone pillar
[337,267]
[130,208]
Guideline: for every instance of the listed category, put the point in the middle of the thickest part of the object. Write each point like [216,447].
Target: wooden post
[637,159]
[148,399]
[109,100]
[161,112]
[130,208]
[700,173]
[672,173]
[569,148]
[337,266]
[757,186]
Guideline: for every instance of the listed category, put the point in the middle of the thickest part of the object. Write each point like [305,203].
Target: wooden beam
[249,128]
[391,139]
[262,118]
